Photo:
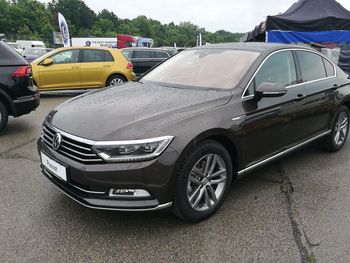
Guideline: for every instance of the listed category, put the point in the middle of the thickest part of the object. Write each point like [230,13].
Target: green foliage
[36,20]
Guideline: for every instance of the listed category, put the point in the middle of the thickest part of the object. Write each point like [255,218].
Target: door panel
[319,87]
[60,76]
[319,105]
[271,124]
[63,73]
[95,68]
[94,74]
[269,121]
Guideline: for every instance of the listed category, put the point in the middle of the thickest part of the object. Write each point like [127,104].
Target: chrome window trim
[291,86]
[280,154]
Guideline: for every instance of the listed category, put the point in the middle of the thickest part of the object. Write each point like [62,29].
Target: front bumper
[89,185]
[25,105]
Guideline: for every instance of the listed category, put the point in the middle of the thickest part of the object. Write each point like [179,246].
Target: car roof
[81,47]
[261,47]
[40,48]
[145,48]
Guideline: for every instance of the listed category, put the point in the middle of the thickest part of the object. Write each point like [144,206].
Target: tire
[115,80]
[192,182]
[3,116]
[340,129]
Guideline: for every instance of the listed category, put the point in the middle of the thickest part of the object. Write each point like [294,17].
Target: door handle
[106,66]
[300,97]
[75,67]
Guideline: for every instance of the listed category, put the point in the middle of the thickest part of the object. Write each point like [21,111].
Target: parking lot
[295,210]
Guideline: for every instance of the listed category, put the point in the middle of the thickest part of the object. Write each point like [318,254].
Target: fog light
[128,193]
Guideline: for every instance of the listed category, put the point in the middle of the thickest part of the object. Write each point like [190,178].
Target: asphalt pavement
[295,210]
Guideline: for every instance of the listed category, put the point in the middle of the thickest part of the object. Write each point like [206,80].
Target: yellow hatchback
[81,68]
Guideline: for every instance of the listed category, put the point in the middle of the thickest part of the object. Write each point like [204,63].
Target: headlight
[132,151]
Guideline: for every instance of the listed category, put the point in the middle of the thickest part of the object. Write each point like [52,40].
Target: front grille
[71,148]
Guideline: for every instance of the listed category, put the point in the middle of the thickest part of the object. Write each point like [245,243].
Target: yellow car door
[95,67]
[63,73]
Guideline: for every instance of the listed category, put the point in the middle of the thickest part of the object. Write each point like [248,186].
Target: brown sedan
[182,134]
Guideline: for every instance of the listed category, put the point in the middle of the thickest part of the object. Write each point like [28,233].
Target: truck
[144,42]
[121,41]
[109,42]
[125,41]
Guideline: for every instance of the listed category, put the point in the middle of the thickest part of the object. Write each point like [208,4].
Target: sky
[213,15]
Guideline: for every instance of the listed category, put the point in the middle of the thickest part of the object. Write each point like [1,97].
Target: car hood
[132,110]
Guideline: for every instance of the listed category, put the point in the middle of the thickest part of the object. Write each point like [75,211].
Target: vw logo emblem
[56,141]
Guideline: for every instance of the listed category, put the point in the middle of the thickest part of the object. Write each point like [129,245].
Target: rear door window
[142,54]
[311,66]
[128,53]
[108,56]
[160,54]
[94,55]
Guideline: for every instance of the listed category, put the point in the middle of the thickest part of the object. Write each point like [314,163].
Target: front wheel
[115,80]
[203,182]
[340,129]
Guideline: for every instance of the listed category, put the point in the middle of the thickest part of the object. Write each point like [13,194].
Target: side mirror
[47,62]
[269,89]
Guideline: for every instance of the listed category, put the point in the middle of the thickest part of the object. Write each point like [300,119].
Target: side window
[160,54]
[108,56]
[65,57]
[127,53]
[311,66]
[329,68]
[141,54]
[279,68]
[92,55]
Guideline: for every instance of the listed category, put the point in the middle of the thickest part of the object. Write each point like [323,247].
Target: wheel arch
[115,74]
[4,98]
[221,136]
[346,104]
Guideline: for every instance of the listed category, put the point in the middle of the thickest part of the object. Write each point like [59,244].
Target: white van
[29,44]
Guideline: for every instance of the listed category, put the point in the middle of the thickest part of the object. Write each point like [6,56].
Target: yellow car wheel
[115,80]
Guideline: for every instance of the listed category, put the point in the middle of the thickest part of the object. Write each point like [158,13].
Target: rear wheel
[3,116]
[203,182]
[340,129]
[115,80]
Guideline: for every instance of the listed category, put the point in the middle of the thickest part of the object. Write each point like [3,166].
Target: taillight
[22,72]
[129,66]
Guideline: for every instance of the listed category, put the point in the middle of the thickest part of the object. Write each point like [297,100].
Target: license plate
[55,168]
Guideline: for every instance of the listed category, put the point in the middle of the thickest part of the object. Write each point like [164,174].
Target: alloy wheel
[341,128]
[206,182]
[116,81]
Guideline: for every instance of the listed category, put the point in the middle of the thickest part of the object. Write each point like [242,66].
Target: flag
[64,30]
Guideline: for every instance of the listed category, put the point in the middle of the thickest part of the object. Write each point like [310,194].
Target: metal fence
[14,38]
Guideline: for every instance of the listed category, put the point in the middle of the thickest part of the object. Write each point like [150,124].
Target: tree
[33,19]
[75,11]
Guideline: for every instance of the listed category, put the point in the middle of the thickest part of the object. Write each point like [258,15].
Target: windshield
[14,45]
[35,52]
[206,68]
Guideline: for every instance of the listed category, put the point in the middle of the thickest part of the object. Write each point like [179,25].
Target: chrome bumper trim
[158,207]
